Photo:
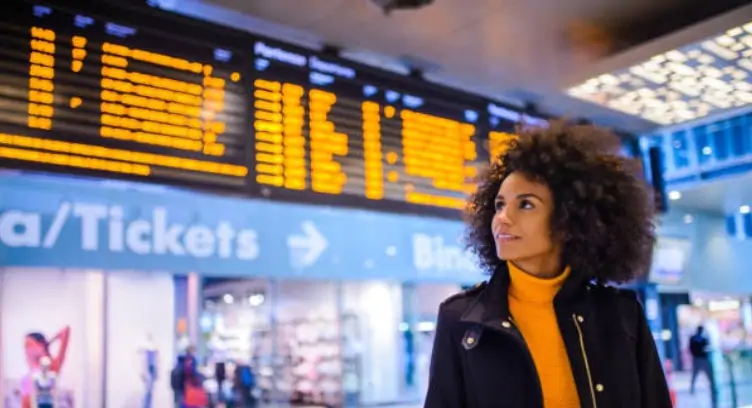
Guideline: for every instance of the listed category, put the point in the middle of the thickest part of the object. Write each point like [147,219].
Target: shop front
[106,284]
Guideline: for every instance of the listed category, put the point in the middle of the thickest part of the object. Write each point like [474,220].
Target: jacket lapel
[572,303]
[492,305]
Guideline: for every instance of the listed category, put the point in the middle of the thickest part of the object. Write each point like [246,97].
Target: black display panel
[140,93]
[332,128]
[115,93]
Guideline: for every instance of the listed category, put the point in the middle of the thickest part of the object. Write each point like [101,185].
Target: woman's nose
[503,216]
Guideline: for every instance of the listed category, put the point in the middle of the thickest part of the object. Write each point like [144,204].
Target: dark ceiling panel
[614,34]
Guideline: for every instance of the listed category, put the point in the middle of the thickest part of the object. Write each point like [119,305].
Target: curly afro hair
[603,210]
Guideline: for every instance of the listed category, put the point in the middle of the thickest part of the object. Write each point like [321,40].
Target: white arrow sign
[306,248]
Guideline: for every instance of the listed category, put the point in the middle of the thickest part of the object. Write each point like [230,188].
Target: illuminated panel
[111,97]
[326,143]
[372,156]
[280,144]
[292,137]
[680,85]
[41,78]
[366,140]
[437,149]
[159,110]
[503,124]
[144,160]
[498,143]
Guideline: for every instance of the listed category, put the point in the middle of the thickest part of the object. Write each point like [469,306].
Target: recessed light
[744,209]
[674,195]
[688,219]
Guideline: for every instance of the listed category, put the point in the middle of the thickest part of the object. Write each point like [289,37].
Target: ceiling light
[256,300]
[688,219]
[680,85]
[228,298]
[744,209]
[674,195]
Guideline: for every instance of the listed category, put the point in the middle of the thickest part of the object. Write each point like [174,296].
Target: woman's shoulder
[618,303]
[613,293]
[457,303]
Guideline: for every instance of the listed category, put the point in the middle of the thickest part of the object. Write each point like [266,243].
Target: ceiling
[683,84]
[724,196]
[519,51]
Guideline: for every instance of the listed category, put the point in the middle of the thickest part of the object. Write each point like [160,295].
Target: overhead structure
[671,81]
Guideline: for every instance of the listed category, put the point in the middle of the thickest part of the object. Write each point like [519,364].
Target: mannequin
[149,356]
[44,385]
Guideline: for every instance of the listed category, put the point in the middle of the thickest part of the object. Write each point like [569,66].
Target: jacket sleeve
[653,386]
[446,382]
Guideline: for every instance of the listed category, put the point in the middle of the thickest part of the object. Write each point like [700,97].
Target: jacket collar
[492,304]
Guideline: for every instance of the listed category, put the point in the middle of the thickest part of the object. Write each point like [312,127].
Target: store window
[51,324]
[310,343]
[237,334]
[309,369]
[140,338]
[372,343]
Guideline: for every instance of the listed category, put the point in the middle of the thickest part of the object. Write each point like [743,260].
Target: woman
[555,219]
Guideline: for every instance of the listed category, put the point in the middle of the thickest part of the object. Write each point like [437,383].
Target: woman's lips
[502,237]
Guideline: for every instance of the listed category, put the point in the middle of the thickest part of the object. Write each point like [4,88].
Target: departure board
[120,94]
[331,128]
[135,92]
[501,129]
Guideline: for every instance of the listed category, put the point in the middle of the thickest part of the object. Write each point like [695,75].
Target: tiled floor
[701,398]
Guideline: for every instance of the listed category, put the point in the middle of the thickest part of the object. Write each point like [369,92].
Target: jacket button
[470,340]
[505,324]
[599,387]
[580,319]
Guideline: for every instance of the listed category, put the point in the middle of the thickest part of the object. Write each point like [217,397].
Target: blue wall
[718,262]
[278,240]
[79,223]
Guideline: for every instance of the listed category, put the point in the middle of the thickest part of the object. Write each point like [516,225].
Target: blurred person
[699,348]
[220,375]
[37,348]
[177,380]
[43,393]
[187,383]
[244,384]
[556,218]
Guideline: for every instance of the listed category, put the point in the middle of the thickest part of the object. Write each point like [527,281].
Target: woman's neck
[540,267]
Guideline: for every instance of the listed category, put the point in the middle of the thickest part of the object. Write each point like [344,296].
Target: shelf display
[309,364]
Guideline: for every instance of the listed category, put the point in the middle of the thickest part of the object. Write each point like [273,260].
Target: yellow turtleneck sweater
[531,303]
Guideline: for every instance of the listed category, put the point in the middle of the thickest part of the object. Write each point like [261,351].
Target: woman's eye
[498,205]
[526,205]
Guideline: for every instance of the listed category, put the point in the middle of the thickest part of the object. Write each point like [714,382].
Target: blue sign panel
[62,222]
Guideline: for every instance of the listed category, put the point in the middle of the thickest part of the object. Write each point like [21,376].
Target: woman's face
[34,349]
[522,223]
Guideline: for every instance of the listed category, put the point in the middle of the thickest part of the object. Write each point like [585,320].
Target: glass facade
[106,337]
[119,336]
[327,343]
[720,146]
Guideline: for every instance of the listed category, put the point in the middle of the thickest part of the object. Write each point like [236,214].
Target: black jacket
[480,359]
